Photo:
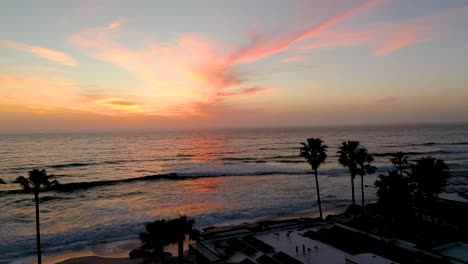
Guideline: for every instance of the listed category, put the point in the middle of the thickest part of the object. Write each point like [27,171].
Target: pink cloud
[401,39]
[48,54]
[385,39]
[262,47]
[334,39]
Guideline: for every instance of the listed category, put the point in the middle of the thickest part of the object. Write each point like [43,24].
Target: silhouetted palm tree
[37,181]
[400,160]
[394,193]
[158,235]
[181,228]
[364,161]
[315,153]
[430,176]
[348,158]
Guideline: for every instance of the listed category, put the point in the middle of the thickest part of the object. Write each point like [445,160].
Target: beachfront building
[309,241]
[274,243]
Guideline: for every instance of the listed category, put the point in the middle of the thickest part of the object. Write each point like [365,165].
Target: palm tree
[37,181]
[430,176]
[348,158]
[400,160]
[394,193]
[364,161]
[181,227]
[158,235]
[315,153]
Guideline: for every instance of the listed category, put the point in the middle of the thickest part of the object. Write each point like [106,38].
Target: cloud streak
[261,47]
[48,54]
[383,40]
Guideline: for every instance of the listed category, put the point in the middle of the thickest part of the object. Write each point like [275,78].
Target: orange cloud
[51,55]
[120,105]
[192,72]
[46,95]
[39,92]
[197,70]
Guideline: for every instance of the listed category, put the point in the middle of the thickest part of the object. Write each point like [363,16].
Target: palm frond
[24,183]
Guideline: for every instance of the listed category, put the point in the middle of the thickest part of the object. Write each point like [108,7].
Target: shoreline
[117,252]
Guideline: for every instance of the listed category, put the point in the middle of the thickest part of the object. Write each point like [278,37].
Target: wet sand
[99,260]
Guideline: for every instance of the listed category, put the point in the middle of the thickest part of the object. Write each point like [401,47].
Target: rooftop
[276,244]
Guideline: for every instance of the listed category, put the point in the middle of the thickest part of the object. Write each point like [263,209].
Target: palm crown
[314,152]
[356,158]
[37,181]
[349,152]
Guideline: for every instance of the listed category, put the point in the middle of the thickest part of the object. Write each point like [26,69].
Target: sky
[143,65]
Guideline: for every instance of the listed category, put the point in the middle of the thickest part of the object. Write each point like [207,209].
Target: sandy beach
[99,260]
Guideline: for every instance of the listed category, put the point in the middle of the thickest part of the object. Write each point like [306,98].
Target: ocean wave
[279,148]
[440,143]
[278,158]
[185,155]
[82,164]
[75,186]
[417,153]
[237,158]
[284,157]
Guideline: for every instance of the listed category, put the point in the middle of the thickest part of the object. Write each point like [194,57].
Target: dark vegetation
[162,233]
[408,206]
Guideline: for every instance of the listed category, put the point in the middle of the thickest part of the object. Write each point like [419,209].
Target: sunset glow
[216,64]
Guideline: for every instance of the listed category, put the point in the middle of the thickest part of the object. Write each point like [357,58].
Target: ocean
[217,177]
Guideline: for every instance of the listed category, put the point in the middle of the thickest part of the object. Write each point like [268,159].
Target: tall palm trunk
[38,232]
[318,194]
[352,188]
[180,250]
[162,255]
[362,191]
